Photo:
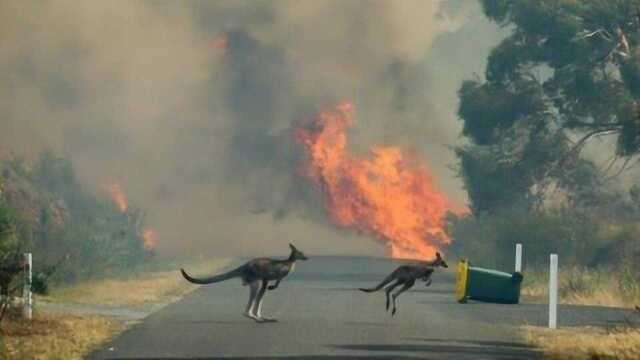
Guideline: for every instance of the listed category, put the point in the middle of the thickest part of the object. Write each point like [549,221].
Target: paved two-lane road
[322,315]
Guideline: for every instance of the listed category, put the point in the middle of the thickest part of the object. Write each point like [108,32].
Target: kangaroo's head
[439,261]
[296,254]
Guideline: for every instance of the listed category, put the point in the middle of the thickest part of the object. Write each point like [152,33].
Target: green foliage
[580,280]
[57,218]
[629,282]
[490,110]
[8,241]
[492,184]
[489,240]
[569,71]
[634,194]
[40,284]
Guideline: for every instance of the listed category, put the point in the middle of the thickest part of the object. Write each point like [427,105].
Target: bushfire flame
[388,193]
[149,239]
[221,42]
[149,235]
[118,196]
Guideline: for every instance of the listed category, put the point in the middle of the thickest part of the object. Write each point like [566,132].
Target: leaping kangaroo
[256,273]
[407,275]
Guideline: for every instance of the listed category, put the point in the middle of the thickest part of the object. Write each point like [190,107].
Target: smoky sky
[191,105]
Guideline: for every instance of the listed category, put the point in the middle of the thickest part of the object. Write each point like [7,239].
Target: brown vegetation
[56,336]
[583,286]
[62,336]
[140,288]
[585,343]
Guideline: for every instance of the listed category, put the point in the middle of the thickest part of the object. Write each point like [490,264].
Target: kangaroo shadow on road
[476,342]
[435,290]
[428,291]
[311,357]
[450,349]
[241,322]
[454,349]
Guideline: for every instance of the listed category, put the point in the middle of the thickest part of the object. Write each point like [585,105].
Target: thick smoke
[190,105]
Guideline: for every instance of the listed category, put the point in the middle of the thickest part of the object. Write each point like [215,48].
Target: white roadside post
[553,291]
[27,309]
[518,257]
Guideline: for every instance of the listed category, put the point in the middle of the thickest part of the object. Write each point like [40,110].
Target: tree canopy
[569,71]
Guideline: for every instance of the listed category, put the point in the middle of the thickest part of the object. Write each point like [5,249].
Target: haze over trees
[46,211]
[569,72]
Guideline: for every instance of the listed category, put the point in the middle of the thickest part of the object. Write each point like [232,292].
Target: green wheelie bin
[474,283]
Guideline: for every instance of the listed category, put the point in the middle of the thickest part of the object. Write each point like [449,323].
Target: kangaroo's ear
[438,255]
[293,248]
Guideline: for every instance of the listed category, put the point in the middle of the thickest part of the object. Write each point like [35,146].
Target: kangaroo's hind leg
[389,289]
[253,291]
[406,287]
[258,304]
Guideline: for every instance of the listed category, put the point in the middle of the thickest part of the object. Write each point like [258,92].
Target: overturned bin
[487,285]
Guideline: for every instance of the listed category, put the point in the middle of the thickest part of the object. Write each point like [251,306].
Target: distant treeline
[46,211]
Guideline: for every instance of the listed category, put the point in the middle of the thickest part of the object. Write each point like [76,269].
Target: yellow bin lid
[461,282]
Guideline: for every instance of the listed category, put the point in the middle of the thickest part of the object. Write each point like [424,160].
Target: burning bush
[55,216]
[389,193]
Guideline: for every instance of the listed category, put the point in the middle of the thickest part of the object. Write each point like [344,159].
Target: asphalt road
[321,315]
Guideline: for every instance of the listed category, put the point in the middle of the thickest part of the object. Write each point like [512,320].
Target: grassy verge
[65,336]
[55,336]
[152,284]
[582,286]
[585,343]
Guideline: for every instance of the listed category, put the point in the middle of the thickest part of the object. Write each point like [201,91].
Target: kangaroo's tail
[384,282]
[213,279]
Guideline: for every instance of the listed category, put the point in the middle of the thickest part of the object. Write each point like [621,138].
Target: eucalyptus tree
[568,71]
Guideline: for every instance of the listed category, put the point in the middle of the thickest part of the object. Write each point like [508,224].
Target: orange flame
[149,235]
[149,239]
[221,42]
[388,194]
[118,196]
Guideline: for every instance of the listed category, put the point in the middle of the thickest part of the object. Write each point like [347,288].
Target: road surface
[321,315]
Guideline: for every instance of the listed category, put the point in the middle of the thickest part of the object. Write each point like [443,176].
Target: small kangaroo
[407,275]
[256,273]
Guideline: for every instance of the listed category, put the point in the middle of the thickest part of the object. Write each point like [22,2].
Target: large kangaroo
[407,275]
[256,273]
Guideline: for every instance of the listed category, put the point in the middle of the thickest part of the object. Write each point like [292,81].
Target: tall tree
[569,71]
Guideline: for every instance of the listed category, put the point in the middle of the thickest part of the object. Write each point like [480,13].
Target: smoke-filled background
[190,106]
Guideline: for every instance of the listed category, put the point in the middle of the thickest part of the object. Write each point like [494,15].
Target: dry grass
[54,337]
[140,288]
[72,337]
[582,286]
[585,343]
[605,295]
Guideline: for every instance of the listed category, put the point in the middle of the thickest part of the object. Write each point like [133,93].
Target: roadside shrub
[629,284]
[489,240]
[580,281]
[8,240]
[56,218]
